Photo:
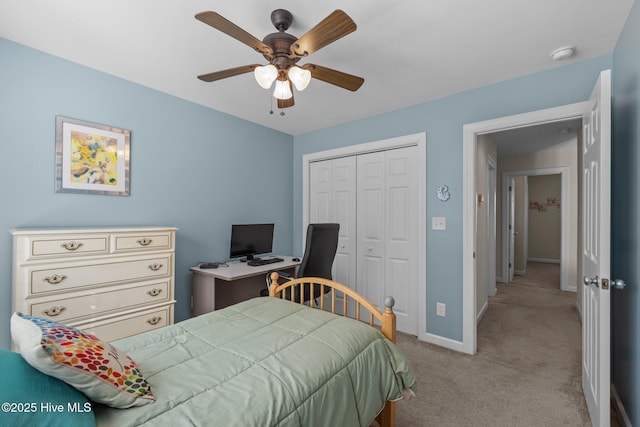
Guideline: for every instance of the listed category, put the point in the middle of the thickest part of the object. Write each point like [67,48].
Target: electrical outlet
[441,309]
[438,223]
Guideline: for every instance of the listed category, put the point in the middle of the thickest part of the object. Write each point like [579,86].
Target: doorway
[547,210]
[470,245]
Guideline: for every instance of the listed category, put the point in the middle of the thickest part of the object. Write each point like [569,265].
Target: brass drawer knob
[71,246]
[54,311]
[154,320]
[144,241]
[54,279]
[155,266]
[154,292]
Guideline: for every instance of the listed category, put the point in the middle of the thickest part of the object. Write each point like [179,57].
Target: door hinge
[509,265]
[605,283]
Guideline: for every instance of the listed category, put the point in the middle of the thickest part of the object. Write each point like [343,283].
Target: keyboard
[258,262]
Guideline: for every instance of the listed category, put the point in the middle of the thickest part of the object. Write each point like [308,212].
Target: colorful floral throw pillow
[96,368]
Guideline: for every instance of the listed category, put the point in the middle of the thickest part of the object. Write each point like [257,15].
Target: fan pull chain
[271,108]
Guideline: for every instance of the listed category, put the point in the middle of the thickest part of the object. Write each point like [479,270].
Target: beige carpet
[527,370]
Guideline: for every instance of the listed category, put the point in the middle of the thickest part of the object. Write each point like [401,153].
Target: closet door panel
[343,189]
[320,192]
[401,270]
[371,226]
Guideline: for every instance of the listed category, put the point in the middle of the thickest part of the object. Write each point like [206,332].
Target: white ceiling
[540,137]
[408,51]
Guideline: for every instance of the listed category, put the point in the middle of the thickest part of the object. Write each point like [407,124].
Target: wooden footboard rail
[387,319]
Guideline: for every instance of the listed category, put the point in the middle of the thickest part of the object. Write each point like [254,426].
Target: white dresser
[111,282]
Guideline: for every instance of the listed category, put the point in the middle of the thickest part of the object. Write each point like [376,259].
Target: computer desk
[216,288]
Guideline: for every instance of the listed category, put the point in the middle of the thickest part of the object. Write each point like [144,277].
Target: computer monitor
[248,240]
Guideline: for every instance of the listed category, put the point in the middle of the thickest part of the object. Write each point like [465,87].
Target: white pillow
[96,368]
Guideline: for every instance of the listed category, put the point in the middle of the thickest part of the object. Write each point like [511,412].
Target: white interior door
[596,241]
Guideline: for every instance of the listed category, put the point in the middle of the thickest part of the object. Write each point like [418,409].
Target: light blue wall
[625,213]
[191,167]
[443,119]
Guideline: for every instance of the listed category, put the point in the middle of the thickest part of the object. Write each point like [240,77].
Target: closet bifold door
[333,199]
[373,196]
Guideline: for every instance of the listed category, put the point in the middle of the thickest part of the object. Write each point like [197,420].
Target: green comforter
[263,362]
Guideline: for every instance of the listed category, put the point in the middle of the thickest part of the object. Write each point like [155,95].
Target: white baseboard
[579,312]
[445,342]
[520,272]
[547,260]
[483,310]
[619,407]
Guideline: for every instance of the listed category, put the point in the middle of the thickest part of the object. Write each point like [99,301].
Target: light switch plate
[438,223]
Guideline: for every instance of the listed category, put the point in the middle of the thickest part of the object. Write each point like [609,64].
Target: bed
[271,362]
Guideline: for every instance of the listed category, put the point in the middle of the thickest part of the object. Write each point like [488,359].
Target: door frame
[509,223]
[563,171]
[469,149]
[419,140]
[492,185]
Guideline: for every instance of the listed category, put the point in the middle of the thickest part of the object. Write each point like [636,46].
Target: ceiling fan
[284,50]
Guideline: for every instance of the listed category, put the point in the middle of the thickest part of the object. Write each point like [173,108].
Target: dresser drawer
[58,246]
[129,242]
[67,277]
[100,303]
[125,326]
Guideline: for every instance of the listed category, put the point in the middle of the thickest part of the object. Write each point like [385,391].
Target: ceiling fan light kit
[265,75]
[283,90]
[284,50]
[299,77]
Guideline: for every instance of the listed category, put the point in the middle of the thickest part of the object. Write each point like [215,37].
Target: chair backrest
[320,251]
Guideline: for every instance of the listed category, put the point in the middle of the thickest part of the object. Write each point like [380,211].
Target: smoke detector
[562,53]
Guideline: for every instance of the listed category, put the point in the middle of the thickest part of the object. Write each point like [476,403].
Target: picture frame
[91,158]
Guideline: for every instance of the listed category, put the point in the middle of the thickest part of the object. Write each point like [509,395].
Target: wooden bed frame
[387,319]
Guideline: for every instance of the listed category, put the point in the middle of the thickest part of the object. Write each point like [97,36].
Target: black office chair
[320,251]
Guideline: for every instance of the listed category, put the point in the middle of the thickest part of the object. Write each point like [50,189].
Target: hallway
[527,371]
[533,327]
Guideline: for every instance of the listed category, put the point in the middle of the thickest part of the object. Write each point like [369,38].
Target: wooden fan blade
[338,78]
[220,23]
[335,26]
[219,75]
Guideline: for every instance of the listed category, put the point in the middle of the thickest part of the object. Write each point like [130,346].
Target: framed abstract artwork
[91,158]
